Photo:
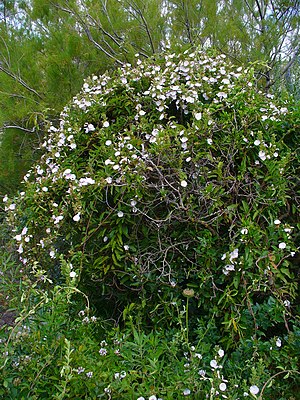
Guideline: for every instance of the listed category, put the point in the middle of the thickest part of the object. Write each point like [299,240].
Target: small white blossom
[73,274]
[221,353]
[277,222]
[186,392]
[108,142]
[105,124]
[254,390]
[257,142]
[183,183]
[262,155]
[223,386]
[198,116]
[120,214]
[209,141]
[102,351]
[278,342]
[282,245]
[76,217]
[213,364]
[198,355]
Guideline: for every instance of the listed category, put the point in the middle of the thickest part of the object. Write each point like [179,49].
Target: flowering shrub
[167,193]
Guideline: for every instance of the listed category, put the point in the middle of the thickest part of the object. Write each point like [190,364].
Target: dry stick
[272,377]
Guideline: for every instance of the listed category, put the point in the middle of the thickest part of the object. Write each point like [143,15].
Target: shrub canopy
[173,179]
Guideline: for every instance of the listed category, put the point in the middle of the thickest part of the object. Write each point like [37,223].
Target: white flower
[223,386]
[254,389]
[108,142]
[76,217]
[244,231]
[226,81]
[44,189]
[12,207]
[222,95]
[201,372]
[213,364]
[153,397]
[89,128]
[18,238]
[126,247]
[141,398]
[105,124]
[262,155]
[287,303]
[52,254]
[257,142]
[120,214]
[73,274]
[282,245]
[221,353]
[234,254]
[183,183]
[108,179]
[209,141]
[198,116]
[190,99]
[277,222]
[5,198]
[186,392]
[278,342]
[20,249]
[102,352]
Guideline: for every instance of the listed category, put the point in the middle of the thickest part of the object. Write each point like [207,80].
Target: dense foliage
[168,195]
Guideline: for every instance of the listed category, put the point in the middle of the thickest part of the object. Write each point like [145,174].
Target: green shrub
[169,194]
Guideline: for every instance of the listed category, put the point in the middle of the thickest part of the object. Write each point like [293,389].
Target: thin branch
[145,24]
[88,32]
[20,81]
[20,128]
[286,68]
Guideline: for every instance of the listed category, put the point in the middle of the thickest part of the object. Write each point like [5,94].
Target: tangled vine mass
[169,179]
